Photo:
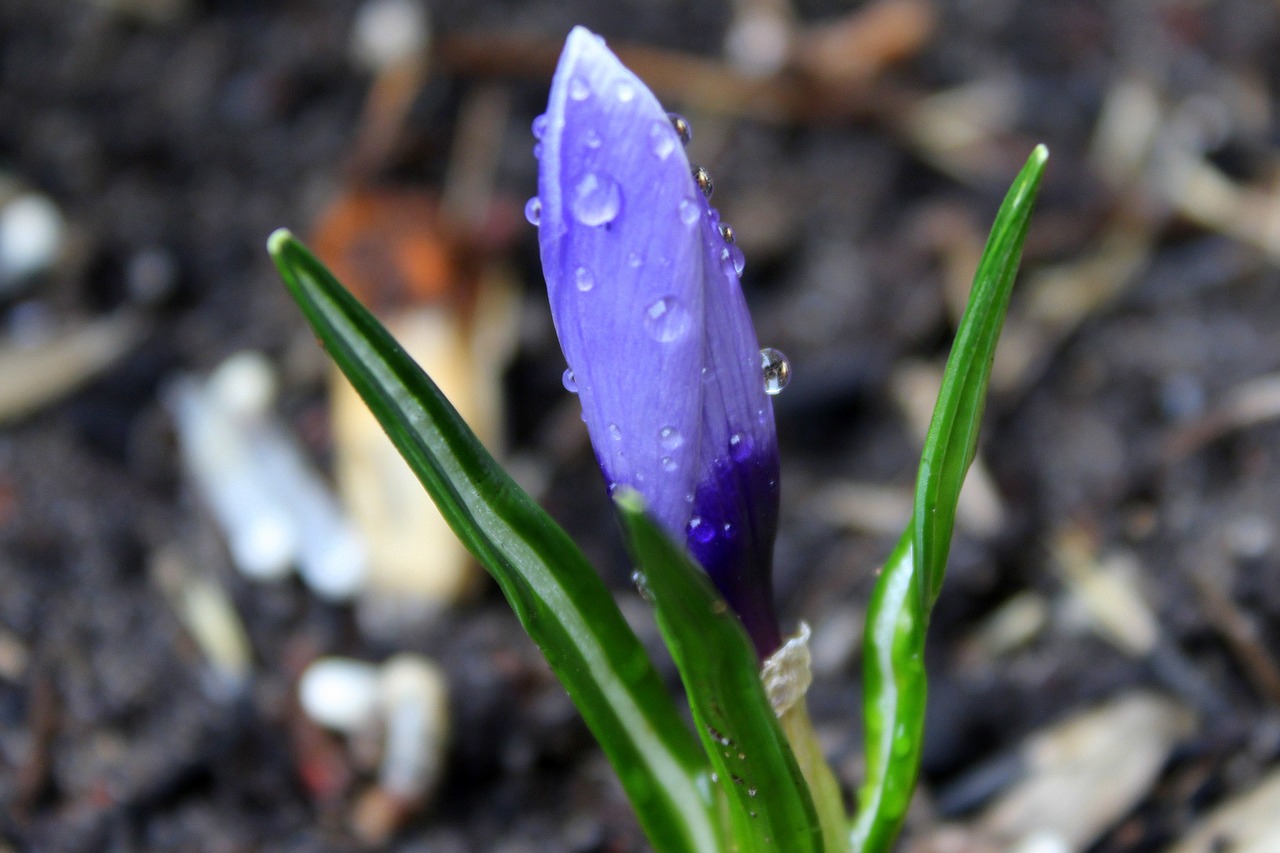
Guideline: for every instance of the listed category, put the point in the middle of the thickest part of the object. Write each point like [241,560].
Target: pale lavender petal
[617,256]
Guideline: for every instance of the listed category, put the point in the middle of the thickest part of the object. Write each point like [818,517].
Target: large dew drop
[666,320]
[776,369]
[596,199]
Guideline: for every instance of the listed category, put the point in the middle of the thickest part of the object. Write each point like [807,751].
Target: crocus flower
[644,292]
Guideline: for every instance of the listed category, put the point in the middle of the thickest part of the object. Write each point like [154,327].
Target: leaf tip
[278,241]
[629,501]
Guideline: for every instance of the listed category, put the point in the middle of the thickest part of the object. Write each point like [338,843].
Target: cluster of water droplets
[596,200]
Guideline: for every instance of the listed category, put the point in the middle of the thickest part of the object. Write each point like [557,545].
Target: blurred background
[228,620]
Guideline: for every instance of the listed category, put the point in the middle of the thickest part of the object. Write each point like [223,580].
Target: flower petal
[646,301]
[622,264]
[735,512]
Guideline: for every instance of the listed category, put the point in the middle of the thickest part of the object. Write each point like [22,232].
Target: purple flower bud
[645,297]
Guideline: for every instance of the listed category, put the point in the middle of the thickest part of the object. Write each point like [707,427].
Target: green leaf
[894,683]
[769,804]
[953,434]
[554,591]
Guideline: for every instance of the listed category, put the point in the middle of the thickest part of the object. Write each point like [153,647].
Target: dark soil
[190,139]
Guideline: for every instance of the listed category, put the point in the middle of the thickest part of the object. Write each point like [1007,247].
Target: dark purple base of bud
[731,535]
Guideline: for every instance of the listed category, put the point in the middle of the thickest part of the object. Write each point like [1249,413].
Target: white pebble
[340,693]
[389,31]
[31,234]
[244,384]
[416,699]
[273,507]
[757,43]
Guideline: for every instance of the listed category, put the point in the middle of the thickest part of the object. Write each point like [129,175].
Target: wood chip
[1088,772]
[1246,823]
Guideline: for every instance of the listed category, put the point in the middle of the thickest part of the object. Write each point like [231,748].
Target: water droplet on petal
[568,381]
[703,179]
[540,126]
[739,260]
[700,531]
[596,199]
[583,278]
[615,432]
[726,261]
[670,438]
[682,127]
[666,320]
[668,464]
[726,231]
[634,260]
[624,90]
[591,139]
[578,89]
[740,447]
[533,210]
[776,369]
[688,211]
[662,140]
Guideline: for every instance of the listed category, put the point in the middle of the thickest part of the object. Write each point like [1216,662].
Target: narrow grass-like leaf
[953,433]
[769,804]
[894,683]
[554,591]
